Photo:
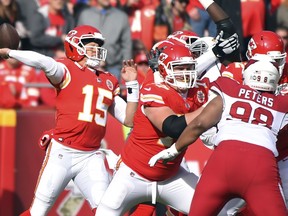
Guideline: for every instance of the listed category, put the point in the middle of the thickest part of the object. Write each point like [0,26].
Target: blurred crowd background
[130,28]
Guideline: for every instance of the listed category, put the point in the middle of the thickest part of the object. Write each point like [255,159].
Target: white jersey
[253,109]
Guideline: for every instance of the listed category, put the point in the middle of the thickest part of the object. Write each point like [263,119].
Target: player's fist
[165,155]
[45,139]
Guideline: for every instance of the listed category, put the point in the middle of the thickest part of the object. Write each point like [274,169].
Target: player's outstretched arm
[52,69]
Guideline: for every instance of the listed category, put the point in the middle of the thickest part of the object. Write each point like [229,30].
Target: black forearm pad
[226,26]
[173,126]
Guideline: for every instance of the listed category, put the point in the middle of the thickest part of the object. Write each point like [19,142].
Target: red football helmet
[183,37]
[268,43]
[163,44]
[76,40]
[177,66]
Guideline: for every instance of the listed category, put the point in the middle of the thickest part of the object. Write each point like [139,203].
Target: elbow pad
[173,125]
[226,26]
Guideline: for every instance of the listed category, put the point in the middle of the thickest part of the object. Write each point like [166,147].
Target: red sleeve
[153,95]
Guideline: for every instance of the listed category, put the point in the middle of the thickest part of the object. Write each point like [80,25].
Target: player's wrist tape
[173,150]
[132,91]
[206,3]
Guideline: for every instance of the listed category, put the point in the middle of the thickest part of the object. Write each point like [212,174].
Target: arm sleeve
[118,109]
[205,61]
[53,70]
[173,126]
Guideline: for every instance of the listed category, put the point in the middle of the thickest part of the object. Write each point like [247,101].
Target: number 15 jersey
[83,99]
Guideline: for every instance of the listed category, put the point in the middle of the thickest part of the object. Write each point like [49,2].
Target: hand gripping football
[9,37]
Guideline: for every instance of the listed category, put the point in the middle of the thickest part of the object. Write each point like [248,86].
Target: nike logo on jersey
[148,89]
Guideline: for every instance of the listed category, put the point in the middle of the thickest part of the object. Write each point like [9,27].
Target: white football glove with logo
[165,155]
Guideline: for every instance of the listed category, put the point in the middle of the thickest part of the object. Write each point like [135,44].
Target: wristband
[206,3]
[132,91]
[173,150]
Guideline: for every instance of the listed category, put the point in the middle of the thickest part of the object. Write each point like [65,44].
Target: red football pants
[239,169]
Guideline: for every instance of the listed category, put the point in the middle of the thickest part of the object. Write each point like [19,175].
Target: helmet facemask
[94,54]
[280,58]
[181,74]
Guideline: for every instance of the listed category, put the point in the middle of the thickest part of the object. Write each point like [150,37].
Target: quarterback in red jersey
[85,95]
[164,109]
[253,109]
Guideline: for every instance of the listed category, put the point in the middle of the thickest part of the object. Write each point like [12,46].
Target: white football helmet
[261,73]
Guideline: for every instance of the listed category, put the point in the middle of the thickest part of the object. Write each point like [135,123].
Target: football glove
[165,155]
[153,58]
[225,46]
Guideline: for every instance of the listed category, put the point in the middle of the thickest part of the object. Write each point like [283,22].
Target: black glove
[153,58]
[225,46]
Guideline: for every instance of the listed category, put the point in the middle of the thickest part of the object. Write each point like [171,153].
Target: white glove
[225,46]
[165,155]
[208,137]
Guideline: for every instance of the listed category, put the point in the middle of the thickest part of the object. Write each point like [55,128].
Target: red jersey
[82,102]
[141,22]
[146,140]
[7,99]
[284,77]
[234,71]
[16,77]
[253,16]
[282,138]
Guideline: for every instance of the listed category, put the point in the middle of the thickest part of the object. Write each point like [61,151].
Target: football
[9,37]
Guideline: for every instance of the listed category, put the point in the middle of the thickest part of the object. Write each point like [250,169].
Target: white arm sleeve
[118,109]
[204,61]
[53,69]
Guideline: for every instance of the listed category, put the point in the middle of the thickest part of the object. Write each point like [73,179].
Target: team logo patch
[109,84]
[252,44]
[200,96]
